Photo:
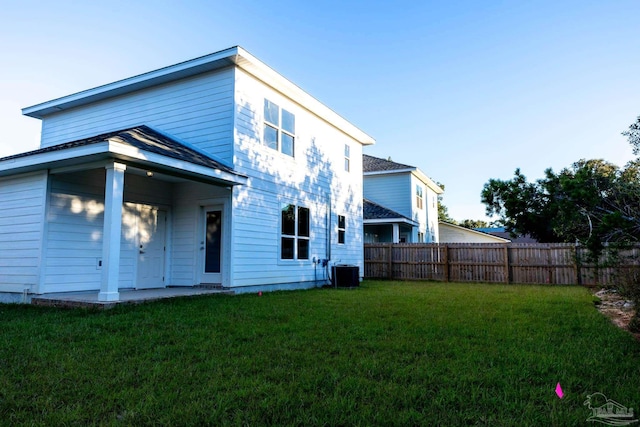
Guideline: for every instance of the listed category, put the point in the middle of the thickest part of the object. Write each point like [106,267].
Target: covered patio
[95,235]
[90,299]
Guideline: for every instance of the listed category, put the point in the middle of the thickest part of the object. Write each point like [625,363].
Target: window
[420,237]
[295,232]
[419,199]
[341,228]
[279,128]
[347,157]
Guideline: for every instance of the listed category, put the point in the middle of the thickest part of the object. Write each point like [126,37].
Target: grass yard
[388,353]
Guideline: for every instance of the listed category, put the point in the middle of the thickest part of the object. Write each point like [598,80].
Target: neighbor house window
[342,228]
[347,157]
[279,128]
[419,199]
[420,237]
[295,227]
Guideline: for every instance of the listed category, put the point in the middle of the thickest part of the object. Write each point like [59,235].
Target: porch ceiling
[139,146]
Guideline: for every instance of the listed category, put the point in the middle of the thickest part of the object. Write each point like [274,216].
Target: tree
[523,207]
[443,212]
[633,136]
[592,201]
[473,223]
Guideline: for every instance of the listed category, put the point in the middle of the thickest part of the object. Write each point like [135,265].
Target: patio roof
[374,213]
[140,146]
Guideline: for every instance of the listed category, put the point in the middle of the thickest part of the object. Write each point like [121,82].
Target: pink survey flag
[559,391]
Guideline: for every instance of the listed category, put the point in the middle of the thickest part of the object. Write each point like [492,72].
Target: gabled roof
[376,166]
[142,137]
[234,56]
[503,233]
[469,231]
[375,213]
[140,145]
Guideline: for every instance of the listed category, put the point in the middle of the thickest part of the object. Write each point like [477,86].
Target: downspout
[329,229]
[328,252]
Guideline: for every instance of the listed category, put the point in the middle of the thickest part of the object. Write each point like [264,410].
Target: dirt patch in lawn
[616,308]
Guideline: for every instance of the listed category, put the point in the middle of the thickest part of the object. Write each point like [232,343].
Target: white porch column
[396,233]
[113,198]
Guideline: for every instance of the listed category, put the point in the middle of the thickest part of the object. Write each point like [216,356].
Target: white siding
[431,205]
[22,201]
[314,178]
[197,110]
[188,228]
[75,224]
[393,191]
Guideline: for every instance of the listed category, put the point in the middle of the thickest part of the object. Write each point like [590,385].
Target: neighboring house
[502,232]
[450,233]
[401,203]
[216,171]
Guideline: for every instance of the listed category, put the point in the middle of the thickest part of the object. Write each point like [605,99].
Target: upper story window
[347,157]
[279,128]
[295,232]
[342,228]
[419,198]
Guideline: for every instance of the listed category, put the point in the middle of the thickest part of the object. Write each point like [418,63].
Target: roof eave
[113,150]
[233,56]
[500,239]
[380,221]
[173,72]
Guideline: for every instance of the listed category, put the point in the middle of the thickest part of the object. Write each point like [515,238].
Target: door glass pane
[213,242]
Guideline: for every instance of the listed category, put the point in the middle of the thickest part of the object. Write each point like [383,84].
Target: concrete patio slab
[129,296]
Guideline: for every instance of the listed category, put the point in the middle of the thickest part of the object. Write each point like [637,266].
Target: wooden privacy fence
[552,263]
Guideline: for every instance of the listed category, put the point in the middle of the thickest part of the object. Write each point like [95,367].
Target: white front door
[151,248]
[211,245]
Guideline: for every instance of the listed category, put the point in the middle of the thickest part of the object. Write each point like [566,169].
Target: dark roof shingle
[375,164]
[142,137]
[372,210]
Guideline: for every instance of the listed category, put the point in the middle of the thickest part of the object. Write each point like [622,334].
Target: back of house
[213,172]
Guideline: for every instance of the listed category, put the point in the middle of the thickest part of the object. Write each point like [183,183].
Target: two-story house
[400,203]
[216,171]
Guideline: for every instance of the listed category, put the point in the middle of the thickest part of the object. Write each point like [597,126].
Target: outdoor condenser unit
[345,276]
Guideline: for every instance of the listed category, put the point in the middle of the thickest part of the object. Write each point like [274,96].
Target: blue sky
[464,90]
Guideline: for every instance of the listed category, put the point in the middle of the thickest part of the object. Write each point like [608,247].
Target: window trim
[347,158]
[296,237]
[342,229]
[419,196]
[279,129]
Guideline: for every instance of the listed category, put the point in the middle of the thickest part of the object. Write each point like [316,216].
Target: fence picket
[552,263]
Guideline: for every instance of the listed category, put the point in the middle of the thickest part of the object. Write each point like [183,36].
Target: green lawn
[388,353]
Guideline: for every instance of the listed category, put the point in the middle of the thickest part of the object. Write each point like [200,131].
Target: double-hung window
[279,128]
[342,228]
[347,157]
[419,199]
[295,232]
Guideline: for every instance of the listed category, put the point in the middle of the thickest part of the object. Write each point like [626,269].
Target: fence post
[549,268]
[446,263]
[390,260]
[506,264]
[577,261]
